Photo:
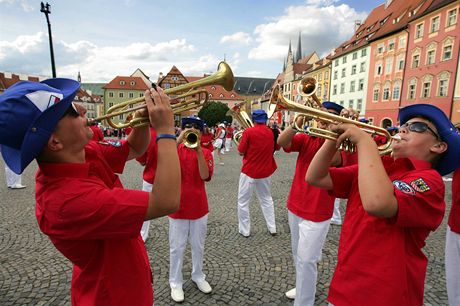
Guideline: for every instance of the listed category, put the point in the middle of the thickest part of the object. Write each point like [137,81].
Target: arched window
[430,53]
[376,92]
[426,86]
[443,84]
[415,58]
[396,90]
[386,91]
[412,88]
[447,47]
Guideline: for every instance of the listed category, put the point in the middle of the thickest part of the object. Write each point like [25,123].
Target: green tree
[213,112]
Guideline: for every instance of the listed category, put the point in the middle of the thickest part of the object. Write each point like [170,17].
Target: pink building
[432,57]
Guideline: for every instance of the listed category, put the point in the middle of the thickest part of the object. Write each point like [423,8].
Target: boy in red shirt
[81,204]
[310,210]
[228,137]
[256,146]
[393,205]
[190,221]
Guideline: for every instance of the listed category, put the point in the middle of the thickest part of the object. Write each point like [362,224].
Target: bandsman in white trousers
[190,221]
[452,261]
[256,146]
[13,180]
[309,211]
[149,161]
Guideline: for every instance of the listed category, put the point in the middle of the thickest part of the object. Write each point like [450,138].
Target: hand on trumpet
[158,110]
[350,136]
[350,113]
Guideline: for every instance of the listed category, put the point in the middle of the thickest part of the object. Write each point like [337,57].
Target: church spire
[298,55]
[79,77]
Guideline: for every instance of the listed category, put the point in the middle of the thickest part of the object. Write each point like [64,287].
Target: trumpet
[278,102]
[191,139]
[307,88]
[238,112]
[223,77]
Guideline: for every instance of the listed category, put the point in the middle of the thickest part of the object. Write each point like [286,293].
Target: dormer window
[132,83]
[213,87]
[122,83]
[221,95]
[174,78]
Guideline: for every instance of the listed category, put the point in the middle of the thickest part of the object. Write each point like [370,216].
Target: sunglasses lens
[418,127]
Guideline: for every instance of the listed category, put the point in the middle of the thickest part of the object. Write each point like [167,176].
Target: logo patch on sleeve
[115,143]
[404,187]
[420,185]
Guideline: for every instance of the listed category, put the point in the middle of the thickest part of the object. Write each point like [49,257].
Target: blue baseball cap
[450,160]
[193,120]
[392,129]
[259,116]
[29,113]
[363,120]
[332,106]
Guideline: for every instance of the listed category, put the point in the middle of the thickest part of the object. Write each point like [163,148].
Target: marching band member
[309,210]
[219,142]
[228,136]
[393,205]
[190,221]
[80,202]
[256,147]
[452,251]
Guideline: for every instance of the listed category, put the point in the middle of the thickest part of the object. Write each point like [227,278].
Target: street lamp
[45,8]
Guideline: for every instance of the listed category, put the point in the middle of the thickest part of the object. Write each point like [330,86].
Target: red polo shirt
[149,159]
[257,147]
[97,133]
[306,201]
[206,141]
[229,132]
[380,261]
[95,223]
[454,216]
[193,199]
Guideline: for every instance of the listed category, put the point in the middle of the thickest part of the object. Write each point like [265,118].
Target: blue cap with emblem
[450,160]
[332,106]
[29,113]
[259,116]
[193,120]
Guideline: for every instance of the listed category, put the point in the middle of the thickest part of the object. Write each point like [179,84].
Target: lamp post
[45,8]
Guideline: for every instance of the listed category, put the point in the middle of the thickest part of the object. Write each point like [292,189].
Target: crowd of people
[394,202]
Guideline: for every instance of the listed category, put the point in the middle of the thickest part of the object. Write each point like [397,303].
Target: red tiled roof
[116,83]
[6,82]
[301,68]
[217,91]
[305,59]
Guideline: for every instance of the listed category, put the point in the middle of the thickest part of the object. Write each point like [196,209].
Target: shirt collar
[410,163]
[64,169]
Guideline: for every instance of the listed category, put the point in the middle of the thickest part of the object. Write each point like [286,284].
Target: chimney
[357,24]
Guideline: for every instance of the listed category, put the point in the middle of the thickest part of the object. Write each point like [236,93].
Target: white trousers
[307,241]
[181,230]
[336,216]
[452,262]
[228,144]
[245,190]
[145,226]
[11,177]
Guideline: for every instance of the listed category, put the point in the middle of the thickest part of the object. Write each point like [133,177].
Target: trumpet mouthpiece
[396,137]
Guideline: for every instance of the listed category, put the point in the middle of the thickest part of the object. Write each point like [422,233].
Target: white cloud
[239,38]
[26,6]
[323,26]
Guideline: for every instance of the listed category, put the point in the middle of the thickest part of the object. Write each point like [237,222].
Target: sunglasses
[71,111]
[192,125]
[419,127]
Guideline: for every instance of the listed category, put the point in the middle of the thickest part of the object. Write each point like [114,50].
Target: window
[132,83]
[167,86]
[443,83]
[363,52]
[131,95]
[341,102]
[344,60]
[110,104]
[430,57]
[451,17]
[401,62]
[343,72]
[388,65]
[352,86]
[361,85]
[391,45]
[121,95]
[415,60]
[336,63]
[335,75]
[426,89]
[353,69]
[396,90]
[378,69]
[174,78]
[326,75]
[376,95]
[362,67]
[447,49]
[355,55]
[350,103]
[120,117]
[434,27]
[122,82]
[360,104]
[318,91]
[342,88]
[334,90]
[402,42]
[141,94]
[419,30]
[320,77]
[386,91]
[380,49]
[412,89]
[110,94]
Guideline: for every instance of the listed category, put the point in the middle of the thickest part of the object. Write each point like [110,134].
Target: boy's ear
[53,143]
[439,147]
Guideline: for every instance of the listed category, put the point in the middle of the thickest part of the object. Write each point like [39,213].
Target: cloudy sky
[106,38]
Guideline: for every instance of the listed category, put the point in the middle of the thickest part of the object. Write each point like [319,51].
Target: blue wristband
[167,136]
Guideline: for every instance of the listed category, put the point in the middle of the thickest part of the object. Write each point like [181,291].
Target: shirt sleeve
[342,180]
[243,143]
[296,143]
[116,154]
[420,196]
[210,162]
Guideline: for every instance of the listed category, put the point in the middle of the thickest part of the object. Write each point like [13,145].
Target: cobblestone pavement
[242,271]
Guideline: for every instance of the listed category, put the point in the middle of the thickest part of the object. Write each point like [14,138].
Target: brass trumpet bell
[238,112]
[191,139]
[223,77]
